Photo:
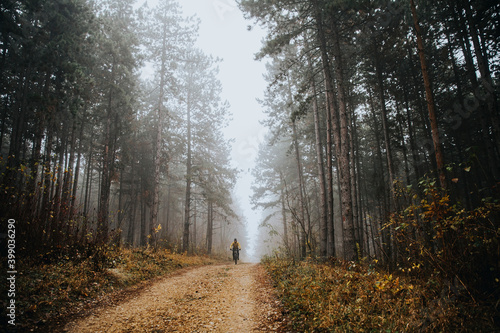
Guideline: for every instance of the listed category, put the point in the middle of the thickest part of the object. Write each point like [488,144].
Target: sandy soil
[222,298]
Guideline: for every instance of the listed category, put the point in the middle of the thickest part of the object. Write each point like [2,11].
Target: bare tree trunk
[133,201]
[356,193]
[399,119]
[323,225]
[77,173]
[350,250]
[385,129]
[194,228]
[187,204]
[167,213]
[105,188]
[210,225]
[423,162]
[68,180]
[379,179]
[88,180]
[484,69]
[11,178]
[304,234]
[159,129]
[411,134]
[332,122]
[59,179]
[484,101]
[430,100]
[297,240]
[45,203]
[283,213]
[34,200]
[144,229]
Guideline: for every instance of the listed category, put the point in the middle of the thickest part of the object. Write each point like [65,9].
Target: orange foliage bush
[351,297]
[438,239]
[447,277]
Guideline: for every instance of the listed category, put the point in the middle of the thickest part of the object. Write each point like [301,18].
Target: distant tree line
[94,152]
[384,130]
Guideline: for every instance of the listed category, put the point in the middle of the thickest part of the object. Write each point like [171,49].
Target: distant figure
[235,244]
[235,247]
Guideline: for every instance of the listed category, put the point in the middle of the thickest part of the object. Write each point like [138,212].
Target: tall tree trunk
[411,135]
[296,224]
[484,101]
[379,181]
[350,249]
[18,128]
[305,243]
[423,162]
[210,225]
[105,187]
[399,119]
[77,172]
[159,130]
[283,213]
[385,129]
[332,120]
[41,127]
[356,193]
[194,228]
[47,179]
[133,199]
[60,172]
[144,199]
[120,212]
[88,181]
[68,179]
[323,225]
[484,69]
[168,213]
[430,100]
[187,204]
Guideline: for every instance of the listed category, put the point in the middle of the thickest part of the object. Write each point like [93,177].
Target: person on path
[235,247]
[235,244]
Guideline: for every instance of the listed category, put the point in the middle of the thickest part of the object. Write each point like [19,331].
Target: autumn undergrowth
[358,297]
[444,275]
[48,292]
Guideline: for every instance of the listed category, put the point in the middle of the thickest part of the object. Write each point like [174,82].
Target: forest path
[221,298]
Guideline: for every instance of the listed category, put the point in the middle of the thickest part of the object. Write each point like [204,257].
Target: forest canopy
[94,152]
[382,147]
[383,122]
[384,135]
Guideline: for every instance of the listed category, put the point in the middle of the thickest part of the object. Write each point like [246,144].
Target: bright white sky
[223,33]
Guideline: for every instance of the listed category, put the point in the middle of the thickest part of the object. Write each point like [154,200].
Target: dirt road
[222,298]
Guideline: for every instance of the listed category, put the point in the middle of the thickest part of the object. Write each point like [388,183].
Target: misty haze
[250,166]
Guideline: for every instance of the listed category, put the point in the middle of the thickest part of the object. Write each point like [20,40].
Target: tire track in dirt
[222,298]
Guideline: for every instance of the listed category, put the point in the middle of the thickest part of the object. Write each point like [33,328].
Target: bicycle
[236,255]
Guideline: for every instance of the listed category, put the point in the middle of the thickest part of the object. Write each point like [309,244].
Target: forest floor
[214,298]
